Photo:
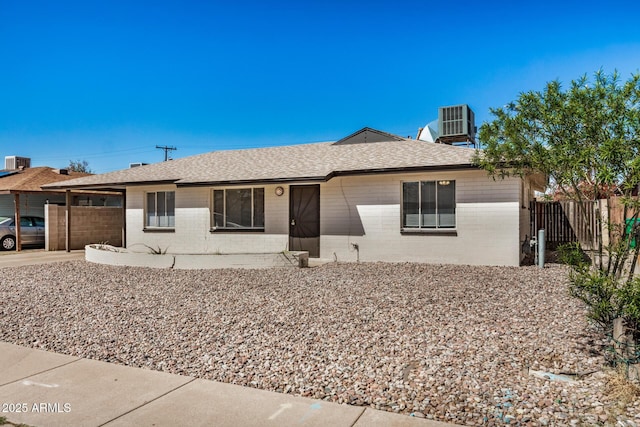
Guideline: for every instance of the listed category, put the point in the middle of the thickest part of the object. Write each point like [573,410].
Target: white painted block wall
[193,221]
[359,209]
[366,211]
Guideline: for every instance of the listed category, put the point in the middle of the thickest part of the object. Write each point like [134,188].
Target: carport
[21,194]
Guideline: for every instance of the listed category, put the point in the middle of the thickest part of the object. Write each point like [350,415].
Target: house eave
[121,186]
[113,186]
[404,169]
[330,176]
[252,181]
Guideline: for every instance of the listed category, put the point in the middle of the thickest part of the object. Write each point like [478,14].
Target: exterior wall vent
[15,162]
[456,124]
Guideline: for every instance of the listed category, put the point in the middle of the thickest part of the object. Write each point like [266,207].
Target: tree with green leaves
[586,139]
[79,166]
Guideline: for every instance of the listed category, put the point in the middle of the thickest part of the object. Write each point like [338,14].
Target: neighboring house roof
[32,179]
[365,135]
[306,162]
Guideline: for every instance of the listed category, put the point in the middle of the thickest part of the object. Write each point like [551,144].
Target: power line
[166,150]
[113,153]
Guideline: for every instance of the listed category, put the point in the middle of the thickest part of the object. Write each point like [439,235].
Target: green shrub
[628,297]
[573,255]
[597,291]
[607,298]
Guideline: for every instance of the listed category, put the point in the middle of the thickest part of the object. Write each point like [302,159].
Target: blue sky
[107,81]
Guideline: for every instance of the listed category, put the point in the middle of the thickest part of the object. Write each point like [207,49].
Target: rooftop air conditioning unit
[456,124]
[15,162]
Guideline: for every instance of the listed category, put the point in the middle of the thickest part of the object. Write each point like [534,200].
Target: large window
[161,208]
[238,208]
[429,204]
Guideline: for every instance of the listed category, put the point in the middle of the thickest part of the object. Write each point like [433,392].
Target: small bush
[597,291]
[628,297]
[573,255]
[607,298]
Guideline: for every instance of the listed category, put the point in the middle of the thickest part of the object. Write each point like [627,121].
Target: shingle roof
[318,161]
[31,179]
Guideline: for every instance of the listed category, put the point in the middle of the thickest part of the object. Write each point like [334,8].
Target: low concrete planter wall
[105,254]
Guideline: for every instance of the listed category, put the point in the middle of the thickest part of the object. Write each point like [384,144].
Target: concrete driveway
[37,256]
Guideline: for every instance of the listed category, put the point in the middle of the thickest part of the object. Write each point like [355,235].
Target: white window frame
[421,226]
[228,227]
[156,221]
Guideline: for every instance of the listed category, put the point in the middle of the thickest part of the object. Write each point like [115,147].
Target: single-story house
[371,196]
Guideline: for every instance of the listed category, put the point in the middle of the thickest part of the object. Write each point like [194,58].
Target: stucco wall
[364,210]
[89,224]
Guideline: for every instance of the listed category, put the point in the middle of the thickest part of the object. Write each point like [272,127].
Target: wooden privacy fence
[564,222]
[616,211]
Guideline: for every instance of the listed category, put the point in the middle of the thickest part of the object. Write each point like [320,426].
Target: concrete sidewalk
[40,388]
[37,256]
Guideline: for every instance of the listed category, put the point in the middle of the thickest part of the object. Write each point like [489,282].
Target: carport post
[16,201]
[67,221]
[124,218]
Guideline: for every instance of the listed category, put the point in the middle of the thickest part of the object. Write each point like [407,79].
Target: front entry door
[304,219]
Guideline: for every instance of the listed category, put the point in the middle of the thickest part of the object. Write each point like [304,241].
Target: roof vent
[62,171]
[15,162]
[429,132]
[456,125]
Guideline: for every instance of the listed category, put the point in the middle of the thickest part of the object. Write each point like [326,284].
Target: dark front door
[304,219]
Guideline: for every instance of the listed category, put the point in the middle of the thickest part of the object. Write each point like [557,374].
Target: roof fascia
[408,169]
[330,176]
[110,186]
[58,192]
[253,181]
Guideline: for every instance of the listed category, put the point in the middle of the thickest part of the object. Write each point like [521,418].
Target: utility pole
[166,151]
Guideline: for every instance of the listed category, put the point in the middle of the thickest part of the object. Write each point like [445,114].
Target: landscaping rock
[450,343]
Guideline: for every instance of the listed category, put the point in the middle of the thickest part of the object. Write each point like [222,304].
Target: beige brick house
[371,196]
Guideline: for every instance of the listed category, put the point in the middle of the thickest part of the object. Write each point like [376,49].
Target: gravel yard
[452,343]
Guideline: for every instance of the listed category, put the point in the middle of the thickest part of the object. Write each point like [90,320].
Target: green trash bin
[629,223]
